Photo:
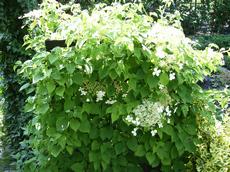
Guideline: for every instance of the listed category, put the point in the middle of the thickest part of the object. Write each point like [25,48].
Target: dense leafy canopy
[88,99]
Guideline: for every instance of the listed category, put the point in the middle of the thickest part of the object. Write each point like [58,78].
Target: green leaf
[85,125]
[24,86]
[132,143]
[185,93]
[78,78]
[69,104]
[164,79]
[168,129]
[52,58]
[132,84]
[116,110]
[106,133]
[140,150]
[95,145]
[91,108]
[60,91]
[152,81]
[174,153]
[50,86]
[38,76]
[152,159]
[29,107]
[55,150]
[69,149]
[185,110]
[163,152]
[93,156]
[74,124]
[70,68]
[43,108]
[62,123]
[186,139]
[77,167]
[120,148]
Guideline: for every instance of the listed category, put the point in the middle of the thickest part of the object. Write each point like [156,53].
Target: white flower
[32,14]
[83,92]
[160,109]
[156,72]
[172,76]
[100,95]
[175,110]
[160,53]
[110,102]
[219,127]
[168,120]
[161,86]
[124,95]
[153,132]
[136,122]
[181,66]
[38,126]
[129,118]
[160,125]
[148,114]
[134,132]
[88,100]
[168,111]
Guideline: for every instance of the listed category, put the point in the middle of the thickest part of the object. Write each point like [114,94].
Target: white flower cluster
[110,102]
[156,72]
[149,115]
[172,76]
[82,91]
[100,95]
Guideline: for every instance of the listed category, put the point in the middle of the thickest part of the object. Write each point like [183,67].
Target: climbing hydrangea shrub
[122,95]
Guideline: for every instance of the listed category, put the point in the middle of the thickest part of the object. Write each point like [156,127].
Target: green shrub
[124,98]
[223,41]
[214,152]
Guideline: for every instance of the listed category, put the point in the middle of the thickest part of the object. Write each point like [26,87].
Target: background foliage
[11,40]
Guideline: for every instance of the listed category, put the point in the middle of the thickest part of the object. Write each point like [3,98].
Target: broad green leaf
[94,156]
[70,68]
[55,150]
[24,86]
[152,159]
[78,78]
[185,93]
[60,91]
[95,145]
[77,167]
[85,125]
[50,86]
[132,143]
[69,149]
[164,79]
[52,58]
[69,104]
[152,81]
[140,150]
[62,123]
[38,76]
[43,108]
[120,148]
[106,133]
[91,108]
[74,124]
[163,152]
